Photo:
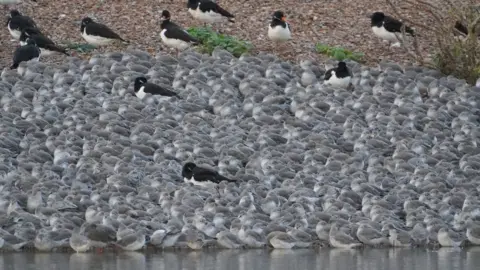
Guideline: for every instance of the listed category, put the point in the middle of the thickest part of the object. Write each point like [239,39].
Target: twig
[473,26]
[430,8]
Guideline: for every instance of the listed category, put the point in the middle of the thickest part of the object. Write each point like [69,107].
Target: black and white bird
[141,87]
[16,22]
[98,34]
[208,11]
[339,76]
[25,53]
[200,176]
[387,28]
[46,45]
[279,29]
[173,35]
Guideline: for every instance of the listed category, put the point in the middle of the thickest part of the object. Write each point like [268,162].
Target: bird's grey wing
[127,240]
[344,239]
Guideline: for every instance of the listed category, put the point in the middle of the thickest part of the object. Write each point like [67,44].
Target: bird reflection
[276,259]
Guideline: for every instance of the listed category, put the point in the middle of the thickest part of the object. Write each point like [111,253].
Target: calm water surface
[332,259]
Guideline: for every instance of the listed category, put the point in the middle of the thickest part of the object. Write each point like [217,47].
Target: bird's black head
[377,17]
[187,170]
[139,81]
[165,15]
[278,15]
[86,21]
[342,65]
[14,13]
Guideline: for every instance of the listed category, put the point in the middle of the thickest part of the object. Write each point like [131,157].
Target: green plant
[338,53]
[80,47]
[209,40]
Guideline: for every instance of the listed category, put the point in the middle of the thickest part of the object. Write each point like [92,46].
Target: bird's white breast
[382,33]
[141,92]
[95,40]
[279,33]
[174,43]
[338,82]
[202,183]
[14,33]
[198,183]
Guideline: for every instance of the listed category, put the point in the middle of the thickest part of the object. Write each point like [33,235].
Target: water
[331,259]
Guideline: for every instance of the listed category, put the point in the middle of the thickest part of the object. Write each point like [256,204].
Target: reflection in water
[323,259]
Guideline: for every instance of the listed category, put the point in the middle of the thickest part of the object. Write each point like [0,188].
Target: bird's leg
[389,43]
[279,48]
[397,41]
[275,48]
[284,47]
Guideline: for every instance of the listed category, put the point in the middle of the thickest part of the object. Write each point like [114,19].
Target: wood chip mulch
[342,23]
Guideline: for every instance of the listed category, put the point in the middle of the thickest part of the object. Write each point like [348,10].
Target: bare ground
[334,22]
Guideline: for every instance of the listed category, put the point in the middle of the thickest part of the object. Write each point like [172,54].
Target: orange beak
[284,19]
